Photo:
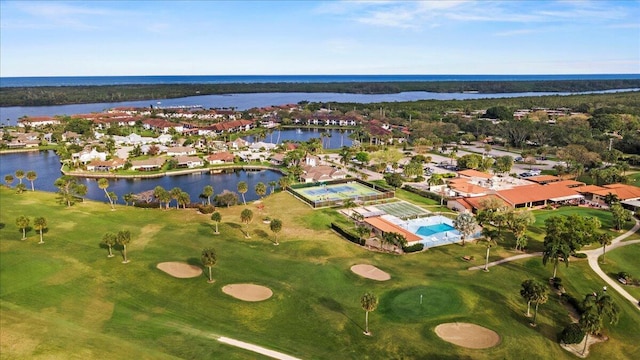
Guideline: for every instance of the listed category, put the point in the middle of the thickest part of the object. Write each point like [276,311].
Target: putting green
[404,304]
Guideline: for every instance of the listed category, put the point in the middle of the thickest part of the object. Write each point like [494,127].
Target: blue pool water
[434,229]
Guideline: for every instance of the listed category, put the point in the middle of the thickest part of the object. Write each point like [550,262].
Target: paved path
[256,349]
[592,257]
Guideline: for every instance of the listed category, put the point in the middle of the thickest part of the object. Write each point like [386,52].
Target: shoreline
[212,171]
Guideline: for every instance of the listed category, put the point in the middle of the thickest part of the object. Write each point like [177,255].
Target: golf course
[67,299]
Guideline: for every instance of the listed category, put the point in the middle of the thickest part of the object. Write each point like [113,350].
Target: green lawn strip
[623,259]
[314,312]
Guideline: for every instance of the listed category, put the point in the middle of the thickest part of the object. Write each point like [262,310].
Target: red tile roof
[388,227]
[535,192]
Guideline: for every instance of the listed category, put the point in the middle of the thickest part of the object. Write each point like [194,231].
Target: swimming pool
[434,229]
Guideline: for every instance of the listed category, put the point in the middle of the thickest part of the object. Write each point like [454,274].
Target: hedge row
[347,235]
[423,193]
[413,248]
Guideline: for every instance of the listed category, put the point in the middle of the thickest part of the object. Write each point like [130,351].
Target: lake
[47,166]
[336,139]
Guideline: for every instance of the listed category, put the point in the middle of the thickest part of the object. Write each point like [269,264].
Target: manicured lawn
[624,259]
[66,299]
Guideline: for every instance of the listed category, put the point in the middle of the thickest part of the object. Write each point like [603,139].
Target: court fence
[385,193]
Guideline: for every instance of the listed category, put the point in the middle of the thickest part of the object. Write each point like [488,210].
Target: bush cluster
[206,209]
[413,248]
[580,255]
[427,194]
[572,334]
[147,205]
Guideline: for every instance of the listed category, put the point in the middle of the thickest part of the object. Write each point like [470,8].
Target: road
[592,257]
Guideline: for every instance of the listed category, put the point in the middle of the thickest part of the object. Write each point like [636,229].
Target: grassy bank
[66,299]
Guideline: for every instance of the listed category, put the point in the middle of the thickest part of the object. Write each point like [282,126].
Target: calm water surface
[47,165]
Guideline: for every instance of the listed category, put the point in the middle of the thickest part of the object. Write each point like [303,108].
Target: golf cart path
[592,257]
[256,349]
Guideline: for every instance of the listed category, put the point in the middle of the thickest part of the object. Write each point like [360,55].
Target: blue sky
[84,38]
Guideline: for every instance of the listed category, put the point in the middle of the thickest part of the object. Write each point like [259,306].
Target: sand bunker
[248,292]
[370,272]
[180,270]
[468,335]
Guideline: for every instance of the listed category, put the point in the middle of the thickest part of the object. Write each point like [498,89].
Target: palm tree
[490,237]
[20,175]
[602,304]
[104,185]
[32,176]
[393,238]
[275,226]
[114,197]
[242,189]
[261,189]
[216,217]
[110,239]
[209,259]
[207,192]
[8,179]
[184,199]
[437,179]
[284,182]
[369,302]
[128,198]
[23,222]
[272,184]
[40,223]
[159,193]
[604,239]
[363,231]
[246,216]
[20,188]
[517,222]
[175,195]
[555,247]
[590,323]
[539,296]
[123,238]
[466,224]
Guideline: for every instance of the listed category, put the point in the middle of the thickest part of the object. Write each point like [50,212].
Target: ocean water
[229,79]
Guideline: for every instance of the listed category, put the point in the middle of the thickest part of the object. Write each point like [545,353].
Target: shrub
[572,334]
[580,255]
[348,235]
[147,205]
[206,209]
[413,248]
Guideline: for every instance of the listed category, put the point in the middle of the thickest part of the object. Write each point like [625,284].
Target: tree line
[62,95]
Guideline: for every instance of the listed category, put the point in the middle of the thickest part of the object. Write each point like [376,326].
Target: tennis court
[402,210]
[336,192]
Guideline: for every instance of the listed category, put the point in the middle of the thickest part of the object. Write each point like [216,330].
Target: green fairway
[66,299]
[624,259]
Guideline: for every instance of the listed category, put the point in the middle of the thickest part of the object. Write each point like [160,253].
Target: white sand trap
[248,292]
[370,272]
[468,335]
[180,270]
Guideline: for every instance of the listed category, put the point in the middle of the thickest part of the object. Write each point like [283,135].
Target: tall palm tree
[20,175]
[23,222]
[104,185]
[604,239]
[110,239]
[175,195]
[284,182]
[272,184]
[490,236]
[242,189]
[466,224]
[184,199]
[246,216]
[216,217]
[40,223]
[437,179]
[207,192]
[275,226]
[32,176]
[261,189]
[527,293]
[123,238]
[591,324]
[369,302]
[128,198]
[555,247]
[209,259]
[539,296]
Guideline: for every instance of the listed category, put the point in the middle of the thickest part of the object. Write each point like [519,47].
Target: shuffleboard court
[402,210]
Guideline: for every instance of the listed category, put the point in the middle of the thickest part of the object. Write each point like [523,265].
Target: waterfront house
[38,121]
[107,165]
[181,151]
[87,156]
[189,162]
[223,157]
[151,164]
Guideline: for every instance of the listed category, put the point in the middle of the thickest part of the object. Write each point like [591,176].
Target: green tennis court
[336,192]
